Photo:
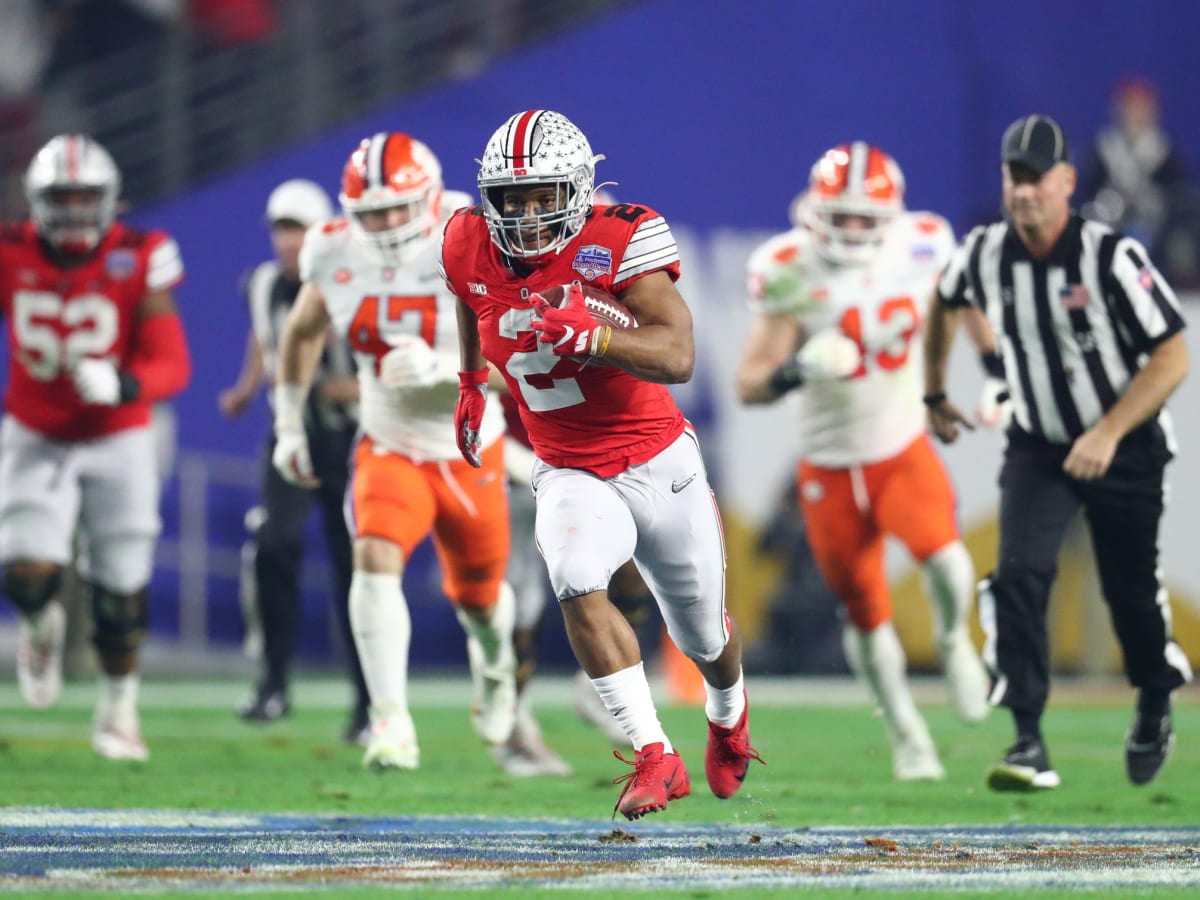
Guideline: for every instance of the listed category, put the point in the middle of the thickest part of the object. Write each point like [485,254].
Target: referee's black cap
[1035,141]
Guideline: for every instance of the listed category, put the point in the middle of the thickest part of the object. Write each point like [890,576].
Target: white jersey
[877,412]
[370,302]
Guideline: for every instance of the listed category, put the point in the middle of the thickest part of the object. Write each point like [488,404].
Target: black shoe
[1147,746]
[358,729]
[265,705]
[1025,767]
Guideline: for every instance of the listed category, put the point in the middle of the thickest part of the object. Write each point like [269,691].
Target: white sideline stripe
[453,689]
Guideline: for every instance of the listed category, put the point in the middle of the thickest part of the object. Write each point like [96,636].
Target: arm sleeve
[160,366]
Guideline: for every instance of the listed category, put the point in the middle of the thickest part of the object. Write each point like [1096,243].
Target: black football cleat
[265,705]
[1147,746]
[1025,767]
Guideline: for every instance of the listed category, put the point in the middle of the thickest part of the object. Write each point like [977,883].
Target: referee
[1091,343]
[331,425]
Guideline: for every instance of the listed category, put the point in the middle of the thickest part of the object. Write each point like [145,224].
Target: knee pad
[30,596]
[120,620]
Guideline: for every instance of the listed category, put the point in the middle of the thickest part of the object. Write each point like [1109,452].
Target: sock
[949,579]
[724,706]
[877,658]
[1028,724]
[494,636]
[118,698]
[626,694]
[382,631]
[1153,704]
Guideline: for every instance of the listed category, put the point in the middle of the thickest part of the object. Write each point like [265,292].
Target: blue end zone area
[166,850]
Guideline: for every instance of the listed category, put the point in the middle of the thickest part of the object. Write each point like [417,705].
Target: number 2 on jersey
[897,324]
[531,371]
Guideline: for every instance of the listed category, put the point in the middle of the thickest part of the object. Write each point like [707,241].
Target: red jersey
[580,416]
[56,316]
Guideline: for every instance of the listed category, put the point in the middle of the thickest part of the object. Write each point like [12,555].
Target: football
[603,306]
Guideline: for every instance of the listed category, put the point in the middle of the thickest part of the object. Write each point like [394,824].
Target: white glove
[97,382]
[291,458]
[828,355]
[995,404]
[410,363]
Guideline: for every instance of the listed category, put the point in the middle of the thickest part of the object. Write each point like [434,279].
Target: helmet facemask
[537,149]
[402,243]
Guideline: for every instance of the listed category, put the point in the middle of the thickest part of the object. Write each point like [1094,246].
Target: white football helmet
[386,170]
[854,192]
[72,186]
[537,147]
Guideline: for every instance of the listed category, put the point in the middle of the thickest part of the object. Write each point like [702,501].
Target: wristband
[473,377]
[786,378]
[993,364]
[289,401]
[130,388]
[600,338]
[934,399]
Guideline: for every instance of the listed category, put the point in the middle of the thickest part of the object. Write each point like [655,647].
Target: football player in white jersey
[373,276]
[837,304]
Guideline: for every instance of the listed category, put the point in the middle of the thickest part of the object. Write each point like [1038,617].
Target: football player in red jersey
[618,471]
[94,339]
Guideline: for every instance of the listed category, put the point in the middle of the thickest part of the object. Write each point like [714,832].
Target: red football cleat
[728,755]
[656,778]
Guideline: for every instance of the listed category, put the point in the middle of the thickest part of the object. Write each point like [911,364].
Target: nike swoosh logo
[677,486]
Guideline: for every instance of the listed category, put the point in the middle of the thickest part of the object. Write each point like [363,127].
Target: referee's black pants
[1123,510]
[280,553]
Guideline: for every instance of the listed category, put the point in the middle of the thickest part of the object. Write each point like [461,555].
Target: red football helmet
[854,192]
[393,170]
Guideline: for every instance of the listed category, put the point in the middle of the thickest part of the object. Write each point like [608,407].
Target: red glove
[570,327]
[468,413]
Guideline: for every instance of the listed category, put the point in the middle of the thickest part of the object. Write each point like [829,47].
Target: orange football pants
[465,508]
[850,512]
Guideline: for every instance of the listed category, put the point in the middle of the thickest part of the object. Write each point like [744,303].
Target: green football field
[827,759]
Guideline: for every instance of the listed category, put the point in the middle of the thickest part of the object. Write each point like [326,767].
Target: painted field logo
[592,260]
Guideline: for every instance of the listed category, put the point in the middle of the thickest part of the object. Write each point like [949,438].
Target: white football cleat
[392,743]
[119,736]
[525,754]
[914,757]
[967,678]
[40,656]
[590,708]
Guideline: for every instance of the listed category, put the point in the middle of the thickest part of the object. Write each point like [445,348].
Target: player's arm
[769,347]
[303,338]
[662,348]
[157,368]
[300,348]
[472,387]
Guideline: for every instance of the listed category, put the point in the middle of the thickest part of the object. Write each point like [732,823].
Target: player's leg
[120,524]
[526,753]
[681,555]
[585,531]
[929,530]
[333,469]
[392,511]
[471,535]
[627,591]
[848,549]
[39,506]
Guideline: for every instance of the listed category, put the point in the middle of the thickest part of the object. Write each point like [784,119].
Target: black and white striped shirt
[1073,328]
[270,297]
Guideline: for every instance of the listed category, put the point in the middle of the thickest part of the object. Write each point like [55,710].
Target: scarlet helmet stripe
[72,157]
[520,145]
